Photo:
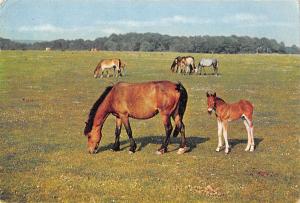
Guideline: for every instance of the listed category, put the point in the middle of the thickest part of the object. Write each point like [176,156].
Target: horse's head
[96,72]
[94,137]
[211,102]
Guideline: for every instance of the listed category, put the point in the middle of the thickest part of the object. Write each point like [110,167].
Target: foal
[229,112]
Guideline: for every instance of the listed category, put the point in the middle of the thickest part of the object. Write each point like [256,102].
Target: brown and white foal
[229,112]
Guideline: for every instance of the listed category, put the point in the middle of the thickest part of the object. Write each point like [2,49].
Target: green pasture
[45,98]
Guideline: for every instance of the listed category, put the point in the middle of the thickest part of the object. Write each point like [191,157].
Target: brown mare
[139,101]
[229,112]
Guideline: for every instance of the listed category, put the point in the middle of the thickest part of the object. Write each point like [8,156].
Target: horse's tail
[181,106]
[183,98]
[173,66]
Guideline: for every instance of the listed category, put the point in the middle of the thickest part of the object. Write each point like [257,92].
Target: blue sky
[89,19]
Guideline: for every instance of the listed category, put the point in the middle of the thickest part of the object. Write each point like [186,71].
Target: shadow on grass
[210,74]
[142,142]
[234,142]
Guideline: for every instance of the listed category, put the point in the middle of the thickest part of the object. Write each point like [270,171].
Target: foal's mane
[220,99]
[89,123]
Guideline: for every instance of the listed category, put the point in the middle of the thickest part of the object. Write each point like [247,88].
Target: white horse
[208,63]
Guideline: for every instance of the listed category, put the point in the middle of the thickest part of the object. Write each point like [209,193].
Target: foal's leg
[168,128]
[249,135]
[220,141]
[225,128]
[125,121]
[116,146]
[252,138]
[250,124]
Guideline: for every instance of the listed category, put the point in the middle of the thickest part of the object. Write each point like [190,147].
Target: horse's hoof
[227,151]
[131,152]
[219,148]
[183,150]
[247,148]
[252,149]
[114,150]
[161,151]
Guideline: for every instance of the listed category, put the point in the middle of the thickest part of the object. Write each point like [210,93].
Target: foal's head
[211,102]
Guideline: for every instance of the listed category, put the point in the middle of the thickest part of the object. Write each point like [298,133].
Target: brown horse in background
[139,101]
[105,65]
[229,112]
[185,64]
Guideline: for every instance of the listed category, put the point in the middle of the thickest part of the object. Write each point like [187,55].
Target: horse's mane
[220,99]
[89,123]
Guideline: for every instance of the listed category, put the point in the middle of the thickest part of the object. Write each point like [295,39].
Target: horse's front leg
[220,141]
[168,129]
[116,146]
[125,121]
[225,128]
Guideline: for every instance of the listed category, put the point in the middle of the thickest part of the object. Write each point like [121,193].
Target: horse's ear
[207,94]
[215,94]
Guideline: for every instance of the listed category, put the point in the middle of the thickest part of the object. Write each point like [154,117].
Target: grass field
[45,98]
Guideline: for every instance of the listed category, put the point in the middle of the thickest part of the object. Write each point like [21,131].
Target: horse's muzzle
[209,111]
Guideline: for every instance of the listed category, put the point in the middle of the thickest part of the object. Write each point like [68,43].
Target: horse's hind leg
[168,128]
[249,135]
[249,121]
[179,127]
[125,121]
[116,146]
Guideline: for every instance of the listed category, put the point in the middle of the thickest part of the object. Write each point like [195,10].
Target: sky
[89,19]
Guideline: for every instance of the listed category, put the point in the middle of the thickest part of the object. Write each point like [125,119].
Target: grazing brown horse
[106,64]
[139,101]
[185,64]
[229,112]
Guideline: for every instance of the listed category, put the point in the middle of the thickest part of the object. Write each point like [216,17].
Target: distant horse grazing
[228,112]
[207,63]
[139,101]
[174,67]
[185,64]
[106,64]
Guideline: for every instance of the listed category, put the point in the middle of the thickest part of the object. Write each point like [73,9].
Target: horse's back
[144,100]
[208,62]
[110,62]
[246,105]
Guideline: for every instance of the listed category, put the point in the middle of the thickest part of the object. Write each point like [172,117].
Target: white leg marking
[220,142]
[249,135]
[252,140]
[225,137]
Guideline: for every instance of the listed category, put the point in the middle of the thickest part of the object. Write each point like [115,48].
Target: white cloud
[158,22]
[41,28]
[243,18]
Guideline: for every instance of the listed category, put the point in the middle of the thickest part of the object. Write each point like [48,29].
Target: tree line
[157,42]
